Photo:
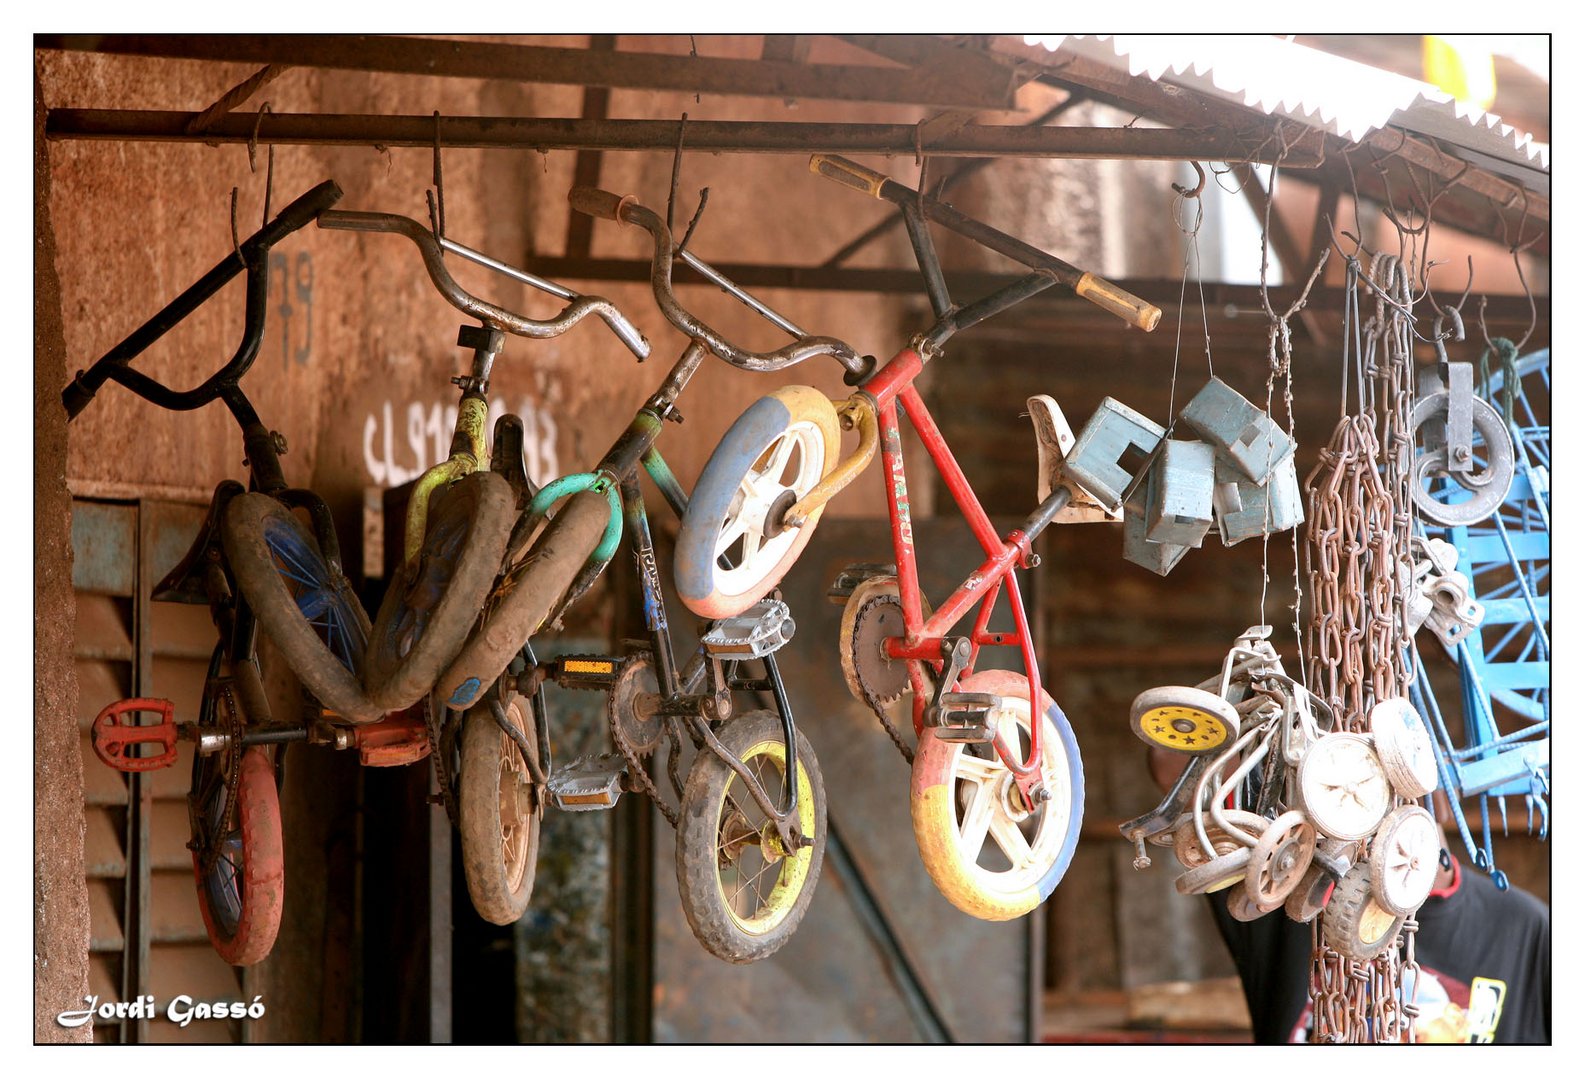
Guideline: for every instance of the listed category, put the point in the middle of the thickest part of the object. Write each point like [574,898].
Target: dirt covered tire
[1353,923]
[775,453]
[307,610]
[524,598]
[727,850]
[426,614]
[244,890]
[498,817]
[989,857]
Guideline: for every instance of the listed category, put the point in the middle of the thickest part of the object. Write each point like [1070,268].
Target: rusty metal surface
[990,87]
[833,981]
[708,136]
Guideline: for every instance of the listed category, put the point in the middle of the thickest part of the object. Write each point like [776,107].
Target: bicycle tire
[796,417]
[984,892]
[524,598]
[242,917]
[308,611]
[731,935]
[429,607]
[498,855]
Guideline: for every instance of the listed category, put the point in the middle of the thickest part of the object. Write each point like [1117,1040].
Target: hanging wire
[1191,250]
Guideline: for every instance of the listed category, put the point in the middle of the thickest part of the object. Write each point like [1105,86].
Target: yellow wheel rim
[1183,727]
[760,885]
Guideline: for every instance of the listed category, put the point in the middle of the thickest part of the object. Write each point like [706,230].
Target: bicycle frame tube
[893,386]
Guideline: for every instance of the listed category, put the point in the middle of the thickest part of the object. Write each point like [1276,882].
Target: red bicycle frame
[893,386]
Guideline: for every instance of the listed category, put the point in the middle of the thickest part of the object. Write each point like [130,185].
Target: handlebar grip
[598,203]
[76,397]
[848,173]
[299,212]
[1125,305]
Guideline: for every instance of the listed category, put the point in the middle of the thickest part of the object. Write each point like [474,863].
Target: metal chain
[233,767]
[870,697]
[635,765]
[1359,524]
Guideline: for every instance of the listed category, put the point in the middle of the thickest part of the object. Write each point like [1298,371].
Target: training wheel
[1183,718]
[1277,863]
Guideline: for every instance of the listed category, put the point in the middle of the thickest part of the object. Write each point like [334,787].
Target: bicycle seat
[1053,440]
[185,583]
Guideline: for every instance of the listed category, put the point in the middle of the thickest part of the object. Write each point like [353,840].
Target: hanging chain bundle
[1360,519]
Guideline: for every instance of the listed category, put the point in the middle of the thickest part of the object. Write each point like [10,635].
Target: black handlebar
[486,312]
[623,208]
[251,255]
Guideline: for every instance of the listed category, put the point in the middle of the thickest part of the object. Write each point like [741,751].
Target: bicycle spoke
[1010,838]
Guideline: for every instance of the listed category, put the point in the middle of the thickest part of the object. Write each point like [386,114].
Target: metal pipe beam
[572,67]
[709,136]
[1162,292]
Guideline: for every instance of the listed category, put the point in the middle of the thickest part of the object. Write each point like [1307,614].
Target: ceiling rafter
[987,88]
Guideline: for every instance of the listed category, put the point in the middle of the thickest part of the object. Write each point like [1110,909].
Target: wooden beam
[543,64]
[586,170]
[753,137]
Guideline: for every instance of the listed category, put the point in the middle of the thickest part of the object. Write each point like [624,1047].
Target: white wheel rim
[1409,861]
[1344,787]
[764,482]
[1019,853]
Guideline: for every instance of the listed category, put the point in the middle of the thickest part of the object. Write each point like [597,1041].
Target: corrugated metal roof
[1340,96]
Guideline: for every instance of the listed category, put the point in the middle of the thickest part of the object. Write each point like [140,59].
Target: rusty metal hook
[1194,192]
[437,201]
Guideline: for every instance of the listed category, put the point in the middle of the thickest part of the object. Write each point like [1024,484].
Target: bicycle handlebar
[250,255]
[1098,291]
[486,312]
[626,210]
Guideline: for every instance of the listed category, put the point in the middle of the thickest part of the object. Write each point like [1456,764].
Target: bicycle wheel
[238,857]
[524,598]
[309,612]
[742,892]
[428,610]
[498,815]
[728,556]
[990,856]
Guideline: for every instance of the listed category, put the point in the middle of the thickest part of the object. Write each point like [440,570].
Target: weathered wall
[60,895]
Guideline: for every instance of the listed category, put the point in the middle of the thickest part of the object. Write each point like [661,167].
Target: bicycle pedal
[763,628]
[585,672]
[115,739]
[854,575]
[963,717]
[588,783]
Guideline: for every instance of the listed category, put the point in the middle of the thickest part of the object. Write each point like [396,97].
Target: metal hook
[676,171]
[437,205]
[1194,192]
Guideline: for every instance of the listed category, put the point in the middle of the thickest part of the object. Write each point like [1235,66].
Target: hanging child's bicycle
[998,787]
[255,565]
[750,828]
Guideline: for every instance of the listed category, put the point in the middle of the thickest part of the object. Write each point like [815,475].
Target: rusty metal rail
[705,136]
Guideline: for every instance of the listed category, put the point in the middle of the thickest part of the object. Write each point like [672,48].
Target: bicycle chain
[234,752]
[439,751]
[635,765]
[872,699]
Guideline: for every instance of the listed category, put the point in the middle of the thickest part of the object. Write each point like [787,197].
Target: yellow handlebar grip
[850,173]
[1125,305]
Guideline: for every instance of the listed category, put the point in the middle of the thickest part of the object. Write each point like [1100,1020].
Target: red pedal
[399,739]
[115,737]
